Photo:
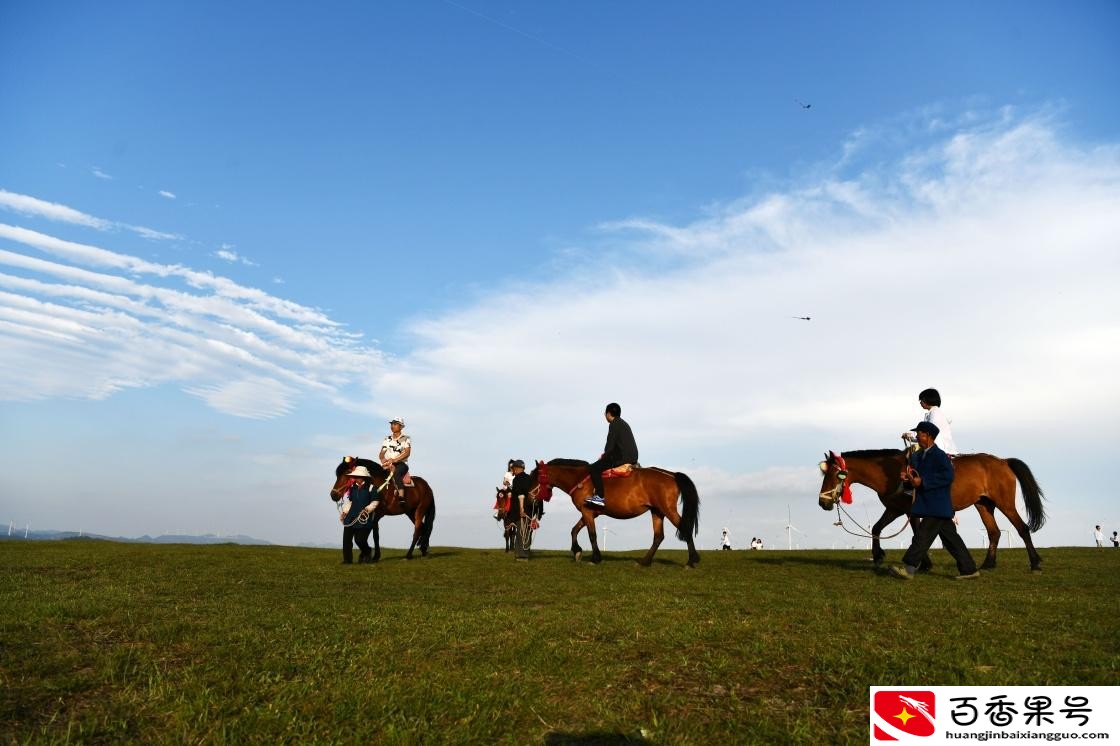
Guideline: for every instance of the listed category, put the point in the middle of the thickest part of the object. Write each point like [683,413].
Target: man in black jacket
[620,449]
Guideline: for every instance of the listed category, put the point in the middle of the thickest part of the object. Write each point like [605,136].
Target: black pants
[597,468]
[928,529]
[399,470]
[356,534]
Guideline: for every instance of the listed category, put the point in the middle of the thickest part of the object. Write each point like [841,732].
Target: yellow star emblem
[904,715]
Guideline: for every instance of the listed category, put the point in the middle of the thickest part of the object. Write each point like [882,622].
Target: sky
[235,239]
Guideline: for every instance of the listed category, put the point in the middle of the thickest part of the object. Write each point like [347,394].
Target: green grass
[105,642]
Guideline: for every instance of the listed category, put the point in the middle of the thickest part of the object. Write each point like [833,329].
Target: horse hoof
[579,556]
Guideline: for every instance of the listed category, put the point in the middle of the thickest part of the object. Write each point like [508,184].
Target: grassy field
[105,642]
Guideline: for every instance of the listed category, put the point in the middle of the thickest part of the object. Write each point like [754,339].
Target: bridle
[543,490]
[841,491]
[841,494]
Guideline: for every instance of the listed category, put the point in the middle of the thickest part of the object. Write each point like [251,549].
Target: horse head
[834,486]
[539,474]
[343,480]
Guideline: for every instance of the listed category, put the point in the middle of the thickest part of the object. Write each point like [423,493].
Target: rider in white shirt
[395,450]
[931,402]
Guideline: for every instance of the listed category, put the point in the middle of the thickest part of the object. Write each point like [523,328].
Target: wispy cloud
[226,253]
[26,205]
[34,207]
[100,174]
[166,194]
[82,320]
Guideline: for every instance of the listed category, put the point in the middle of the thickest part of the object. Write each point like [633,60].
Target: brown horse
[501,504]
[418,502]
[979,479]
[646,489]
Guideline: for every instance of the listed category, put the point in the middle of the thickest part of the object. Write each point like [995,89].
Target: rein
[363,517]
[864,534]
[841,494]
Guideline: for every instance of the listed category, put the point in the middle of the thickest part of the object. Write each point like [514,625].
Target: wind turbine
[605,531]
[790,528]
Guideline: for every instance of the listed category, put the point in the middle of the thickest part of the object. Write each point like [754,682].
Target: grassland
[105,642]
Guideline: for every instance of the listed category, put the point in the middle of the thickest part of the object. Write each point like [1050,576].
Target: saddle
[618,472]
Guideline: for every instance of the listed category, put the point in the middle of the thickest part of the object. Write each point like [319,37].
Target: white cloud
[100,174]
[26,205]
[32,206]
[166,194]
[981,260]
[227,254]
[89,322]
[983,263]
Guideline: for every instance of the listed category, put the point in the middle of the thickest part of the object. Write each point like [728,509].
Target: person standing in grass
[1098,536]
[1115,540]
[355,519]
[726,541]
[931,473]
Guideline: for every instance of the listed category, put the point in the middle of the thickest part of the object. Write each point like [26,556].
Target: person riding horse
[620,449]
[395,450]
[930,400]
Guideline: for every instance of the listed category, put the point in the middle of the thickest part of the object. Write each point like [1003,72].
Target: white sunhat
[361,471]
[397,419]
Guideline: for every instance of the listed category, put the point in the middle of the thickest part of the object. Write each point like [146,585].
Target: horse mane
[375,467]
[872,453]
[568,462]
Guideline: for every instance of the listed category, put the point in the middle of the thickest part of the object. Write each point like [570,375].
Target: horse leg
[577,550]
[877,553]
[658,537]
[1024,533]
[675,519]
[984,508]
[596,556]
[417,521]
[376,539]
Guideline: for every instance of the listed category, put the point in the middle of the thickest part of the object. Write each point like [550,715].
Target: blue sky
[234,240]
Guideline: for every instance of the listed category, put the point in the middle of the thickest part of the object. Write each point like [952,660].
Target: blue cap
[927,427]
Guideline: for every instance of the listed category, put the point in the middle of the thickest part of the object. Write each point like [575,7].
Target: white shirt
[394,447]
[944,438]
[507,480]
[726,539]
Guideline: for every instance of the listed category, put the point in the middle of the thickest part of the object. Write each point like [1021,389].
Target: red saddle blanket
[626,470]
[618,472]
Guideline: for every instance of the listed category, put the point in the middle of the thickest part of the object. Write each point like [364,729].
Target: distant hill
[50,535]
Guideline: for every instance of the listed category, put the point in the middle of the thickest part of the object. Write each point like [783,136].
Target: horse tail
[690,514]
[1032,494]
[426,525]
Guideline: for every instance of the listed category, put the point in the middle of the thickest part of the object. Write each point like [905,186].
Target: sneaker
[595,502]
[899,572]
[970,576]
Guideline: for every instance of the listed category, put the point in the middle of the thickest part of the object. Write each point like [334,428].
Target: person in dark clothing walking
[361,501]
[931,473]
[620,449]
